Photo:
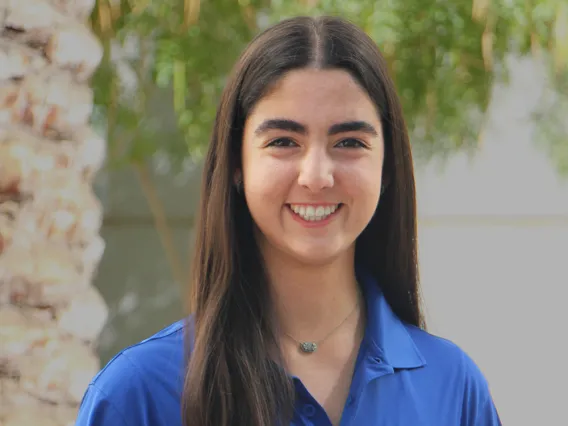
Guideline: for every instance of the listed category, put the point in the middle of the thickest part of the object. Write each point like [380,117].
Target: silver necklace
[310,347]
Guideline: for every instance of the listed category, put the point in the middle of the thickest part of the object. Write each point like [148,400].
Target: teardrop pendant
[308,347]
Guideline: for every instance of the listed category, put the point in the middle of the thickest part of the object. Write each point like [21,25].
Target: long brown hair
[232,378]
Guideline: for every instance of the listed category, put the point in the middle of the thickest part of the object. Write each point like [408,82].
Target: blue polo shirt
[403,376]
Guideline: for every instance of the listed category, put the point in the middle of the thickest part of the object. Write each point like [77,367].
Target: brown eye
[282,143]
[350,143]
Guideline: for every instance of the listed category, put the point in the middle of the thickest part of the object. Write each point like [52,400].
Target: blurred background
[105,112]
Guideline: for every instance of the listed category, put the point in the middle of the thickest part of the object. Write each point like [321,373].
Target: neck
[308,300]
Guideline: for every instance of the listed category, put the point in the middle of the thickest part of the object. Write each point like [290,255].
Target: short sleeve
[488,415]
[117,396]
[478,406]
[98,410]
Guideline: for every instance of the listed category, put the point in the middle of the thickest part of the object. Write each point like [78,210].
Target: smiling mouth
[314,213]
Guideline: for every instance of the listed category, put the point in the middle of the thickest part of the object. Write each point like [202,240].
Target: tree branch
[160,221]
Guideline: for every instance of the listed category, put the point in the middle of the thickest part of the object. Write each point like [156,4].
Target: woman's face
[312,158]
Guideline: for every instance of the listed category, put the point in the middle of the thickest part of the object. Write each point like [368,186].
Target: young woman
[305,280]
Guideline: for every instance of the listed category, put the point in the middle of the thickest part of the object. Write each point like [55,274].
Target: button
[309,410]
[350,400]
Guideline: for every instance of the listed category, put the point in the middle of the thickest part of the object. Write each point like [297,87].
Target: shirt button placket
[348,410]
[309,410]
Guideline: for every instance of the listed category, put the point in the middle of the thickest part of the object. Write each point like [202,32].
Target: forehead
[316,97]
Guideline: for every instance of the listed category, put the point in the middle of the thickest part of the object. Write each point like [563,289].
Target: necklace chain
[311,346]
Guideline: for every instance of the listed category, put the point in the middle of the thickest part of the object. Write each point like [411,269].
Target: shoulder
[138,380]
[452,368]
[143,360]
[444,355]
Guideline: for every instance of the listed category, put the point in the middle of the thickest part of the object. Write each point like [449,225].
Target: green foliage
[443,55]
[552,128]
[190,59]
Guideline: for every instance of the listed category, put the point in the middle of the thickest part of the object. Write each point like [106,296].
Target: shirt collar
[386,335]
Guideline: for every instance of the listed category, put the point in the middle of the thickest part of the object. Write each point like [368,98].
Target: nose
[316,170]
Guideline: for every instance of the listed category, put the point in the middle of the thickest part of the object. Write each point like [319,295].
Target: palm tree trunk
[50,314]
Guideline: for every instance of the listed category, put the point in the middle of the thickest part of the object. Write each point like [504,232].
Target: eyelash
[275,143]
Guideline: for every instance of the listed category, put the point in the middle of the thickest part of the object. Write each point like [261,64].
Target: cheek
[267,180]
[363,182]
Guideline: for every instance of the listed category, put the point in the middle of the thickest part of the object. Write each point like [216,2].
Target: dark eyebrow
[353,126]
[281,124]
[295,127]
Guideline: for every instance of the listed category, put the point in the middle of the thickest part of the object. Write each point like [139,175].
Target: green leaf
[433,48]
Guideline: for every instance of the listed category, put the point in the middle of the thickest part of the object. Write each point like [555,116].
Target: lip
[313,204]
[314,224]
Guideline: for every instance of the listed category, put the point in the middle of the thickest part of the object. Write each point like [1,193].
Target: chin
[317,254]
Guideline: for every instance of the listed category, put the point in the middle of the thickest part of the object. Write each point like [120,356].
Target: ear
[238,177]
[238,181]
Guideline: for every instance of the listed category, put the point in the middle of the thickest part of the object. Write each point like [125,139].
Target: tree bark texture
[50,218]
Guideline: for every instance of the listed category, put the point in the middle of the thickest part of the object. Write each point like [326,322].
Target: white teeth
[313,213]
